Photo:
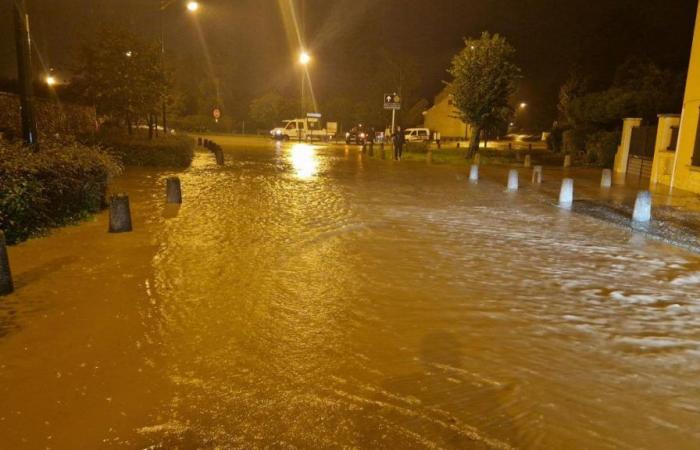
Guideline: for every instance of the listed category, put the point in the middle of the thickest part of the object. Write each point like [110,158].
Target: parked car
[357,135]
[417,134]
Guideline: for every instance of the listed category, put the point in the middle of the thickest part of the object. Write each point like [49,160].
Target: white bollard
[642,207]
[606,180]
[567,161]
[474,173]
[528,161]
[513,180]
[566,195]
[537,175]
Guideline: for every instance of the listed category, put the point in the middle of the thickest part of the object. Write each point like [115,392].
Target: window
[674,139]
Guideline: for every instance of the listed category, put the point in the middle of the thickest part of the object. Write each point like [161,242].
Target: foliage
[601,147]
[270,109]
[61,184]
[574,141]
[171,151]
[202,124]
[484,79]
[414,116]
[122,74]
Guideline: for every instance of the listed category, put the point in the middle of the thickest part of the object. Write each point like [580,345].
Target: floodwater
[317,298]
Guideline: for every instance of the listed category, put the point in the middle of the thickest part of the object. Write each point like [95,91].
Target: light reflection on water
[304,160]
[384,305]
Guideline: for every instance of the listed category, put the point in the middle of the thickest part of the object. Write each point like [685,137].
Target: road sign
[314,115]
[216,113]
[392,101]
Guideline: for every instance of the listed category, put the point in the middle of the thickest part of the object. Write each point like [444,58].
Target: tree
[484,79]
[121,74]
[269,109]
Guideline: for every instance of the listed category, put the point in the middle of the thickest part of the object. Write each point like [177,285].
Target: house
[677,156]
[443,118]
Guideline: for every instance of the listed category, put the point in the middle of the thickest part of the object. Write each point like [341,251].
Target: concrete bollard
[206,143]
[120,214]
[219,156]
[513,180]
[567,161]
[173,190]
[642,208]
[199,141]
[528,161]
[566,195]
[371,150]
[474,174]
[477,159]
[606,180]
[537,175]
[6,285]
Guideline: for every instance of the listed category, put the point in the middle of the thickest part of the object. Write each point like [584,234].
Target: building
[678,165]
[443,118]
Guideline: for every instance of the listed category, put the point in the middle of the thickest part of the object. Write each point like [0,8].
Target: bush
[60,184]
[202,124]
[138,150]
[573,141]
[601,147]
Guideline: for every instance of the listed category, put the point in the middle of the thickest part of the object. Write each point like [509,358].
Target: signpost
[392,102]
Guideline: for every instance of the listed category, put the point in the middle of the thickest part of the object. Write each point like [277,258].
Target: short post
[120,214]
[642,208]
[474,173]
[477,159]
[513,180]
[566,195]
[529,147]
[199,141]
[528,161]
[173,190]
[537,175]
[6,285]
[206,143]
[567,161]
[606,180]
[371,149]
[219,156]
[510,146]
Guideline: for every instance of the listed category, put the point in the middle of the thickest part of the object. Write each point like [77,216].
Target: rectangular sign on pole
[392,101]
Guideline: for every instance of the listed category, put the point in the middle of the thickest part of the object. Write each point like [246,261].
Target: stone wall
[52,117]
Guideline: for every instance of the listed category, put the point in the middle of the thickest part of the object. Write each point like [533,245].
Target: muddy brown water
[312,297]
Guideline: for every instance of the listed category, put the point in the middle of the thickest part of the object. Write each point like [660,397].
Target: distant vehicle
[357,135]
[306,129]
[417,134]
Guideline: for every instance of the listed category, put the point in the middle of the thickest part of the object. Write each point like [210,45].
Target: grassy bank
[138,150]
[61,184]
[419,152]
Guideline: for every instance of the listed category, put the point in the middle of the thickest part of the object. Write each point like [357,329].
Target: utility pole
[24,73]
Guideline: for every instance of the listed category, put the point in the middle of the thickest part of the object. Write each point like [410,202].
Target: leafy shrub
[137,150]
[60,184]
[601,147]
[573,141]
[203,124]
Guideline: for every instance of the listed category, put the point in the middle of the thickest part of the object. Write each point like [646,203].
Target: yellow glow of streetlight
[523,105]
[50,80]
[304,58]
[193,6]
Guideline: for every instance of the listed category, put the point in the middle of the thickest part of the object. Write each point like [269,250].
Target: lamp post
[192,7]
[304,60]
[24,73]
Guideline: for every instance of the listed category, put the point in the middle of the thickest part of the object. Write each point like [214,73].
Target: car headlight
[362,135]
[347,134]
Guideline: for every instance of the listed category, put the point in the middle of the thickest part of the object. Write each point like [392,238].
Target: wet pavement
[314,297]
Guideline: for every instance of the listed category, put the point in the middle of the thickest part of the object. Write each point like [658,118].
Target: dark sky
[248,43]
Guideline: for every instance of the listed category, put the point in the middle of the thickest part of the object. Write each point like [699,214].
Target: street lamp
[50,80]
[523,105]
[193,6]
[304,60]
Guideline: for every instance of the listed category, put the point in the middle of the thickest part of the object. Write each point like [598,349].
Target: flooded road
[312,297]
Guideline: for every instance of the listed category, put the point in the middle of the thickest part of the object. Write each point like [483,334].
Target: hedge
[58,185]
[137,150]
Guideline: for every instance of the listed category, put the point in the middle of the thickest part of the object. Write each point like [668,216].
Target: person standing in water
[399,141]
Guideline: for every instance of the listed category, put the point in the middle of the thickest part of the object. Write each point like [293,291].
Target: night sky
[249,45]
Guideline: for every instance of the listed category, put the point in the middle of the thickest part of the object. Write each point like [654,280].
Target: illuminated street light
[523,105]
[50,80]
[128,54]
[304,58]
[193,6]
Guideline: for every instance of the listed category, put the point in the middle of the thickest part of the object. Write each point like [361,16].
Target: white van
[417,134]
